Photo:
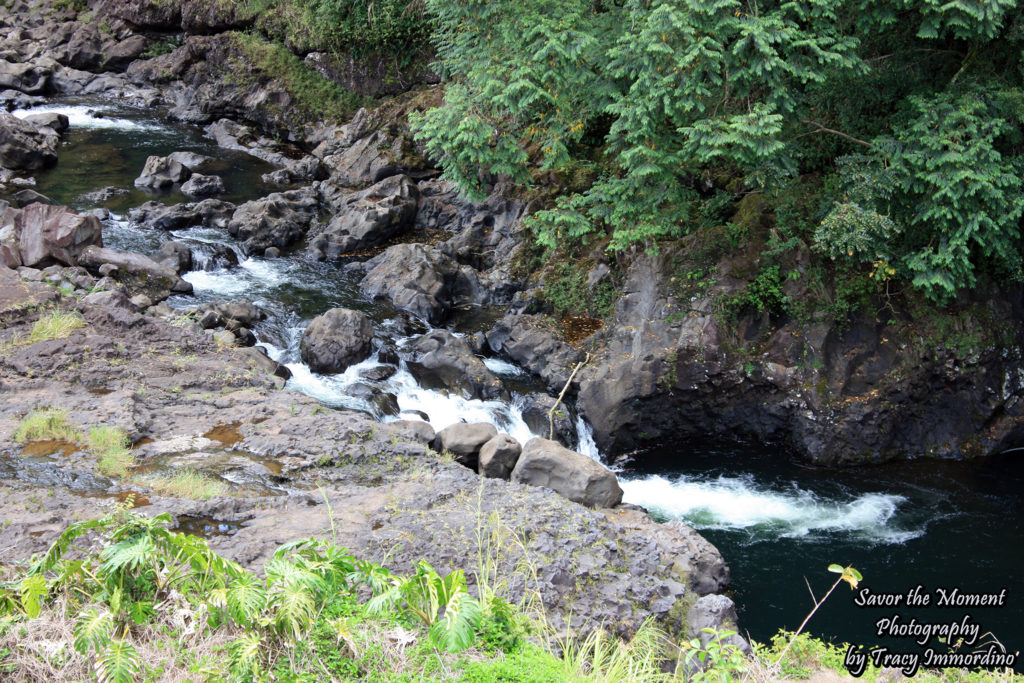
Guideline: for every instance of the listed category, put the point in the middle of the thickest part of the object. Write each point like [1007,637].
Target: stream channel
[775,520]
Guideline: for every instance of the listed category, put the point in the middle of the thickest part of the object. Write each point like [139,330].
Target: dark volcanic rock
[278,220]
[369,218]
[25,77]
[441,360]
[337,339]
[530,341]
[175,255]
[422,280]
[577,477]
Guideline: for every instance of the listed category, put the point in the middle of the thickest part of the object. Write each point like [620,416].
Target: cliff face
[863,391]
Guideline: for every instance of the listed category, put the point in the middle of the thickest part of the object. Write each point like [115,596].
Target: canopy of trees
[910,111]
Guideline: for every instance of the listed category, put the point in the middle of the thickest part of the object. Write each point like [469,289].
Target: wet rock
[139,274]
[369,218]
[577,477]
[420,279]
[203,186]
[412,430]
[441,360]
[278,220]
[529,341]
[44,234]
[536,408]
[190,160]
[23,198]
[103,194]
[337,339]
[382,403]
[209,212]
[378,373]
[498,457]
[464,441]
[24,146]
[175,255]
[55,121]
[25,77]
[160,173]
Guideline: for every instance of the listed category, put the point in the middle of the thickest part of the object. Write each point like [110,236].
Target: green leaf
[835,568]
[118,662]
[93,630]
[32,588]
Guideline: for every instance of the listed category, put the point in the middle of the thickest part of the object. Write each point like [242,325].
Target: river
[778,522]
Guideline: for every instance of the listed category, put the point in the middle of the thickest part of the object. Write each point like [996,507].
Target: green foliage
[656,95]
[565,288]
[313,93]
[763,294]
[356,26]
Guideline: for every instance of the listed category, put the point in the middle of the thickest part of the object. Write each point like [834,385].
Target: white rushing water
[740,503]
[94,117]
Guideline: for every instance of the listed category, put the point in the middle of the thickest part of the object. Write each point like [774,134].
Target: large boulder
[160,173]
[464,441]
[41,234]
[337,339]
[440,360]
[422,280]
[24,146]
[370,217]
[498,457]
[139,274]
[370,159]
[25,77]
[175,255]
[213,213]
[577,477]
[277,220]
[203,186]
[55,121]
[530,341]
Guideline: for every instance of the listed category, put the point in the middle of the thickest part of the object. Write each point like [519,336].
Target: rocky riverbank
[294,469]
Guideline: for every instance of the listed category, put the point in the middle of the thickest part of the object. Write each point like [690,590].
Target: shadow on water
[940,524]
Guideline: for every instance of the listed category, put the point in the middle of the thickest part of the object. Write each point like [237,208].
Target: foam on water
[84,117]
[442,409]
[740,503]
[503,367]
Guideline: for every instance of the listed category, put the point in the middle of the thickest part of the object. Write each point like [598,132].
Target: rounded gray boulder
[335,340]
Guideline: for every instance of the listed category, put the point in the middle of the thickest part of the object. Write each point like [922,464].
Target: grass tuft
[112,447]
[187,483]
[45,424]
[55,325]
